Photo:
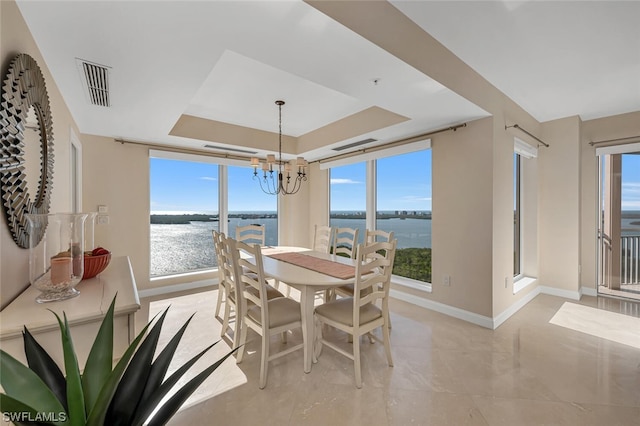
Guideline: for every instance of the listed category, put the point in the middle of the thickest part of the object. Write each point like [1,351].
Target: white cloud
[208,178]
[415,198]
[631,186]
[631,205]
[339,181]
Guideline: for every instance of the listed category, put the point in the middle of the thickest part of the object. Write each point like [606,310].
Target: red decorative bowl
[93,265]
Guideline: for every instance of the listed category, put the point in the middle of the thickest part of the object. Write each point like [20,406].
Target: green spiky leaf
[169,408]
[20,414]
[75,396]
[134,379]
[147,406]
[45,367]
[100,360]
[161,364]
[98,412]
[24,386]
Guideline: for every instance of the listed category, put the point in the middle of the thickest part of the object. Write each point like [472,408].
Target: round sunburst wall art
[26,129]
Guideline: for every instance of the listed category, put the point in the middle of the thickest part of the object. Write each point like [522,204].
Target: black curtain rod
[178,150]
[635,138]
[194,151]
[399,142]
[515,126]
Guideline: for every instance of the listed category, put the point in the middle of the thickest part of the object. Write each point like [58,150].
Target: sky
[630,182]
[404,183]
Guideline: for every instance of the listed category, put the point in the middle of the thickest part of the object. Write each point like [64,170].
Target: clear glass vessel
[56,262]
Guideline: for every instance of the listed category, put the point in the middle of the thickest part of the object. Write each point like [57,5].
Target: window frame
[370,159]
[75,178]
[223,196]
[517,216]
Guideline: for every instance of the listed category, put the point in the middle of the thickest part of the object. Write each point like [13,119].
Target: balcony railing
[630,259]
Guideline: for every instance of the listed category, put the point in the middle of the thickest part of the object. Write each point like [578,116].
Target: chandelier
[280,177]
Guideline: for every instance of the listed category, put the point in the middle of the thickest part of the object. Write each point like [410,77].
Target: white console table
[84,313]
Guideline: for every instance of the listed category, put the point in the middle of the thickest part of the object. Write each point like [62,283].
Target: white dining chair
[345,241]
[229,285]
[251,234]
[322,238]
[360,315]
[226,284]
[374,236]
[255,234]
[267,317]
[217,241]
[371,237]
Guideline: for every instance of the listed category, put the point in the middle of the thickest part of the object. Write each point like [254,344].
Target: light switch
[103,219]
[102,209]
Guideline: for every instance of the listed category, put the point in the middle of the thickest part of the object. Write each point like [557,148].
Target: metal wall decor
[23,89]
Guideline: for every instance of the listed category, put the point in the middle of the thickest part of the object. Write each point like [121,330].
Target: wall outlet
[446,280]
[506,282]
[103,219]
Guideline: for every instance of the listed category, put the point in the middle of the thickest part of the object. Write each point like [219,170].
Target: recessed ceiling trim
[354,144]
[226,148]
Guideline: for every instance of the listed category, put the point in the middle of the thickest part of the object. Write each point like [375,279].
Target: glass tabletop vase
[56,254]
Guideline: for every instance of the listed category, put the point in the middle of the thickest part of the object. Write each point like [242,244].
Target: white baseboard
[567,294]
[451,311]
[484,321]
[511,310]
[472,317]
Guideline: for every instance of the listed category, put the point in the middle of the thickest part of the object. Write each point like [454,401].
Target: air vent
[95,79]
[224,148]
[354,144]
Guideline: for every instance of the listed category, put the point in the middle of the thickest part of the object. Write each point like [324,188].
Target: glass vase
[56,262]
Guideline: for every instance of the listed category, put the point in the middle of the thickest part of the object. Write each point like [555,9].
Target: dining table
[309,272]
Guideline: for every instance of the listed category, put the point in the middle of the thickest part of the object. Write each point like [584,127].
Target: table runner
[324,266]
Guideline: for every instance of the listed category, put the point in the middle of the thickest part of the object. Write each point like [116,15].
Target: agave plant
[128,394]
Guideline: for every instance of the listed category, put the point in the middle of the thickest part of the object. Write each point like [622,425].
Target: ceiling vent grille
[354,144]
[224,148]
[95,79]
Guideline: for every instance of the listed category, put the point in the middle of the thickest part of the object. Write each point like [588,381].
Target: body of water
[189,247]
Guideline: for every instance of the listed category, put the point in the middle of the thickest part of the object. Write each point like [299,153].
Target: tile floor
[446,372]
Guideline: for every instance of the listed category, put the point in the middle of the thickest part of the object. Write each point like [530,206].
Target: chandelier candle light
[288,180]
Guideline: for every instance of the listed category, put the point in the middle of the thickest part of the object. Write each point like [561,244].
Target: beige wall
[502,198]
[293,217]
[319,200]
[15,38]
[117,175]
[462,217]
[559,183]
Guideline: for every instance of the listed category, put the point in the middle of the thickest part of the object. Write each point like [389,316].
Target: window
[184,211]
[76,174]
[523,160]
[389,190]
[403,193]
[517,229]
[348,197]
[630,219]
[248,205]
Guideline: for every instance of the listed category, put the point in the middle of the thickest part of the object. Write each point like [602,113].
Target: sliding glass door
[619,224]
